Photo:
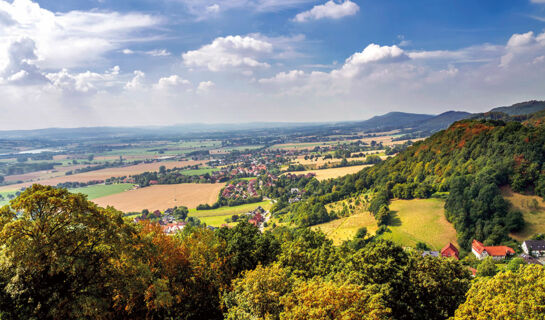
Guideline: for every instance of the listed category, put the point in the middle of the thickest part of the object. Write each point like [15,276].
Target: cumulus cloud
[203,9]
[84,82]
[173,81]
[522,48]
[137,81]
[20,67]
[231,52]
[373,53]
[205,86]
[329,10]
[70,39]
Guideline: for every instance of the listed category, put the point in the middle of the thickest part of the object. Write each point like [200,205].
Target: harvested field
[334,172]
[161,197]
[105,173]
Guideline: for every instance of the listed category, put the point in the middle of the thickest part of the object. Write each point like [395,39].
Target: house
[496,252]
[172,228]
[450,251]
[535,248]
[473,271]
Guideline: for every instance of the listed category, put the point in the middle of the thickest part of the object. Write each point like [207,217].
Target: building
[434,254]
[496,252]
[450,251]
[535,248]
[529,259]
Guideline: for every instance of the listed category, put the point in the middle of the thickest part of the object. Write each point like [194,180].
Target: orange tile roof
[494,251]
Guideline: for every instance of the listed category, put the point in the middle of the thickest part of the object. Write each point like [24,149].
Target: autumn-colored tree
[56,255]
[487,268]
[256,295]
[507,295]
[318,300]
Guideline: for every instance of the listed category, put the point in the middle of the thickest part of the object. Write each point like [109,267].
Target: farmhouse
[535,248]
[496,252]
[450,251]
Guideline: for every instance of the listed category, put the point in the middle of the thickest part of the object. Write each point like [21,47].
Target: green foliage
[507,295]
[487,268]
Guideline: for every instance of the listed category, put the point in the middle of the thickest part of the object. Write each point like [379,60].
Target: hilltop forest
[466,164]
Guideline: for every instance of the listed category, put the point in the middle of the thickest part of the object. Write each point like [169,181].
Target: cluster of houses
[533,249]
[258,216]
[241,190]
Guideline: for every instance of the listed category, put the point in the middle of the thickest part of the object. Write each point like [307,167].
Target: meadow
[413,221]
[161,197]
[216,217]
[534,216]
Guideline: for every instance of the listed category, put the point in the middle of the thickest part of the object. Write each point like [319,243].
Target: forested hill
[470,160]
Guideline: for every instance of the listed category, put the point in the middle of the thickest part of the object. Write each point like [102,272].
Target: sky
[78,63]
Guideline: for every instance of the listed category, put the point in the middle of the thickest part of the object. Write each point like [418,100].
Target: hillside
[521,108]
[442,121]
[393,120]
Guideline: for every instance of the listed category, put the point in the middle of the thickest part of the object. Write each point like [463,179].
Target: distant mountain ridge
[420,124]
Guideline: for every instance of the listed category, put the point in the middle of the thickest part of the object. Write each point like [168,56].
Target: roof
[477,246]
[430,253]
[495,251]
[535,244]
[449,251]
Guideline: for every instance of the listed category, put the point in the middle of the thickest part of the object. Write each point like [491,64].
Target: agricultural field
[103,190]
[318,162]
[161,197]
[325,174]
[412,221]
[104,173]
[199,171]
[533,211]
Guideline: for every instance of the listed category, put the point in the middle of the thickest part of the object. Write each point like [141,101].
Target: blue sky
[85,63]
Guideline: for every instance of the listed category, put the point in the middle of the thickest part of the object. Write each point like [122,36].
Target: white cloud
[127,51]
[171,82]
[329,10]
[521,48]
[71,39]
[284,77]
[213,8]
[158,53]
[207,8]
[85,82]
[373,53]
[228,53]
[205,86]
[137,81]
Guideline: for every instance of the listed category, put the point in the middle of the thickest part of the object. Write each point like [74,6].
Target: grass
[419,220]
[198,172]
[216,221]
[102,190]
[533,216]
[228,211]
[325,174]
[6,199]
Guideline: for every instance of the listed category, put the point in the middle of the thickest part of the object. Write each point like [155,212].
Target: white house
[496,252]
[534,248]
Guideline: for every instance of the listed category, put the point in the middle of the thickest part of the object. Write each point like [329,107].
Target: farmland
[102,190]
[533,215]
[161,197]
[325,174]
[105,173]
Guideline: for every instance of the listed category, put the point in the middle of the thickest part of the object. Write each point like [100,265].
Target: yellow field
[343,229]
[161,197]
[534,217]
[413,221]
[325,174]
[102,174]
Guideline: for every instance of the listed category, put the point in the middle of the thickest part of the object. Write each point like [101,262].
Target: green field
[412,221]
[216,221]
[6,200]
[198,172]
[228,211]
[102,190]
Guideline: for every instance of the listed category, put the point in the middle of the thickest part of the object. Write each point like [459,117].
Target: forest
[65,258]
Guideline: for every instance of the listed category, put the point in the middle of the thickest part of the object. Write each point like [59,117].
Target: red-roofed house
[450,251]
[496,252]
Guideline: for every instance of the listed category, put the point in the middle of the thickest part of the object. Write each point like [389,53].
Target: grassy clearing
[229,211]
[533,215]
[102,190]
[420,220]
[413,221]
[216,221]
